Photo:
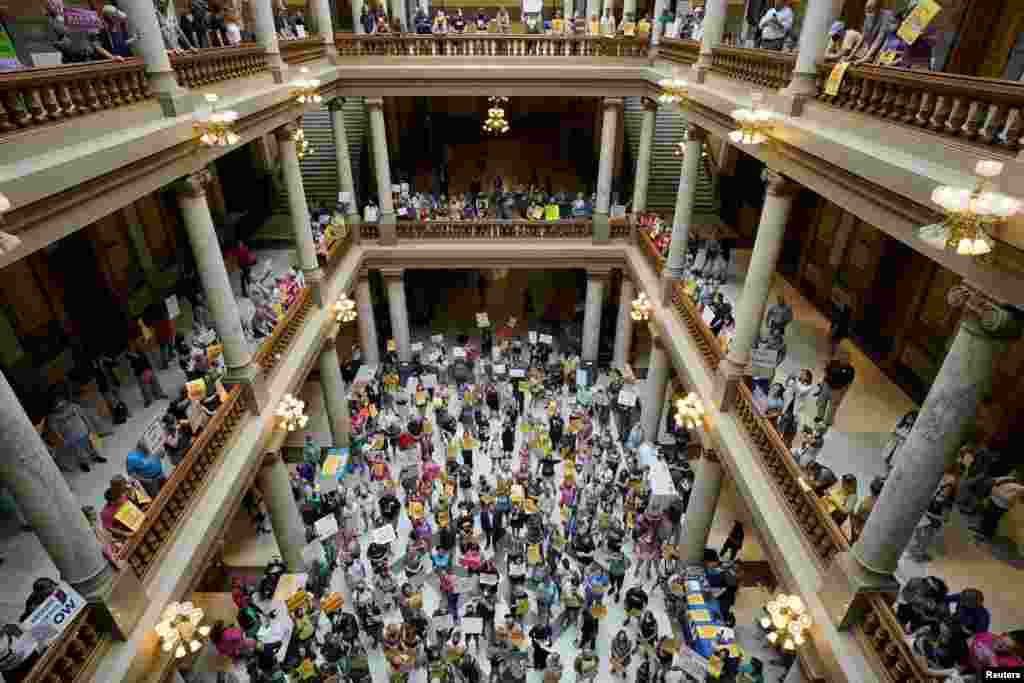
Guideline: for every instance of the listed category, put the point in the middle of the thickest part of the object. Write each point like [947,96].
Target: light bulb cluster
[180,629]
[754,123]
[640,308]
[971,214]
[302,147]
[215,128]
[290,414]
[8,242]
[690,411]
[673,90]
[306,90]
[786,622]
[344,309]
[496,123]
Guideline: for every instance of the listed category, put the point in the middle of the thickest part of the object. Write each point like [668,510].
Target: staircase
[663,181]
[319,168]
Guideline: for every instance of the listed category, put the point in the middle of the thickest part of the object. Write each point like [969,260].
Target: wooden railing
[73,657]
[656,260]
[826,539]
[620,228]
[34,97]
[707,342]
[211,65]
[169,507]
[369,231]
[302,50]
[765,68]
[882,638]
[679,51]
[494,229]
[486,45]
[287,328]
[983,111]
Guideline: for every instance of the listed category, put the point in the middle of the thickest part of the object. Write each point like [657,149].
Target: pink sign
[82,19]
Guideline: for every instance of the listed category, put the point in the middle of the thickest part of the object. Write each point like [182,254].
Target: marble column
[592,314]
[45,500]
[643,158]
[700,513]
[817,19]
[653,399]
[335,394]
[395,281]
[289,531]
[382,167]
[714,27]
[325,27]
[624,324]
[345,181]
[368,342]
[656,27]
[567,8]
[758,283]
[266,36]
[305,245]
[686,195]
[612,109]
[593,9]
[149,43]
[220,298]
[629,7]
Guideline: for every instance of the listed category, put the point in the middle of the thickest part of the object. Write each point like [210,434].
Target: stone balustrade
[486,45]
[273,347]
[74,655]
[763,68]
[679,50]
[710,348]
[494,229]
[215,64]
[301,50]
[885,643]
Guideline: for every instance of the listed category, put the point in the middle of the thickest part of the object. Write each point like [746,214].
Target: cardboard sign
[384,535]
[482,320]
[129,515]
[533,336]
[312,553]
[472,625]
[173,308]
[196,389]
[437,338]
[835,78]
[627,398]
[391,345]
[517,372]
[49,620]
[416,347]
[917,21]
[499,369]
[546,339]
[153,436]
[326,527]
[458,352]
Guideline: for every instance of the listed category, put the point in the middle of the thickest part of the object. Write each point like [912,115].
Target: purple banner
[82,19]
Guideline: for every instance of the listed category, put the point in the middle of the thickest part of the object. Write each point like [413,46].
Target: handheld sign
[533,337]
[627,398]
[472,625]
[416,347]
[326,527]
[458,352]
[384,535]
[129,515]
[49,620]
[546,339]
[437,338]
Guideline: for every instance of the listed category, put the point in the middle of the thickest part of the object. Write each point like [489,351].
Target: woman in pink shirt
[231,642]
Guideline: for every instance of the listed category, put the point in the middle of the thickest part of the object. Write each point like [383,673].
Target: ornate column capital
[336,104]
[390,273]
[983,314]
[285,132]
[650,104]
[194,184]
[364,274]
[599,272]
[375,102]
[610,102]
[778,184]
[696,133]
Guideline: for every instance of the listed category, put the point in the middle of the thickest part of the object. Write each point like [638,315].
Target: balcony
[487,45]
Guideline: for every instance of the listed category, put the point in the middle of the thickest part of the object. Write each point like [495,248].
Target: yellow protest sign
[533,554]
[214,351]
[835,79]
[599,611]
[332,602]
[416,509]
[694,599]
[917,21]
[296,600]
[196,389]
[391,345]
[129,515]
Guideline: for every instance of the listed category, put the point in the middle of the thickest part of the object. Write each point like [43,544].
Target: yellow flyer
[835,79]
[917,21]
[214,351]
[391,345]
[129,515]
[330,466]
[332,602]
[196,389]
[533,554]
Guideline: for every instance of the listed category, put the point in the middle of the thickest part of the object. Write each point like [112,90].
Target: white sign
[313,553]
[395,187]
[692,663]
[533,336]
[490,579]
[429,381]
[50,619]
[326,527]
[707,315]
[517,372]
[764,357]
[173,309]
[472,625]
[442,622]
[627,398]
[546,339]
[458,352]
[153,436]
[416,347]
[499,368]
[384,535]
[344,197]
[465,584]
[437,338]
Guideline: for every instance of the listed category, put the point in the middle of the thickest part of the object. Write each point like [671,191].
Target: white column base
[174,100]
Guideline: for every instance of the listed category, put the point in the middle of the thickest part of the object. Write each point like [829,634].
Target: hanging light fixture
[302,147]
[673,90]
[306,90]
[754,123]
[971,214]
[179,627]
[8,242]
[215,127]
[290,414]
[690,411]
[641,307]
[496,123]
[344,309]
[786,622]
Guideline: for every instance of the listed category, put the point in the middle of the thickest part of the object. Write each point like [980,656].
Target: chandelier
[971,214]
[179,627]
[641,307]
[496,123]
[754,123]
[305,90]
[302,147]
[690,411]
[344,309]
[215,127]
[8,242]
[786,622]
[673,90]
[290,416]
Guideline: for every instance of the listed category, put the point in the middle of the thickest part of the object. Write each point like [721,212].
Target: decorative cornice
[285,132]
[777,184]
[982,313]
[617,102]
[375,102]
[601,272]
[392,272]
[194,184]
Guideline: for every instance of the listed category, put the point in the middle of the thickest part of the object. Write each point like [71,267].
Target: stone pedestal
[612,108]
[624,324]
[174,100]
[335,394]
[592,314]
[643,157]
[675,264]
[305,245]
[653,399]
[394,279]
[700,513]
[289,531]
[382,166]
[369,345]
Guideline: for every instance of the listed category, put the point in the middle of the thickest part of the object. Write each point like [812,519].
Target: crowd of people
[513,203]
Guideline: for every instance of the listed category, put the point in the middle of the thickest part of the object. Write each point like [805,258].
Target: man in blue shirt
[147,468]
